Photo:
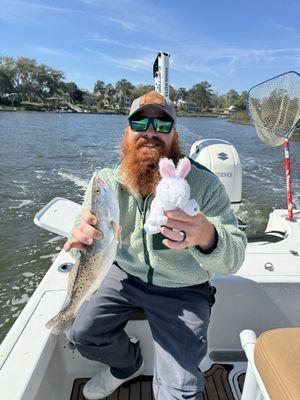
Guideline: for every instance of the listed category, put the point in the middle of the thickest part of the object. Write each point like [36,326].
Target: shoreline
[41,108]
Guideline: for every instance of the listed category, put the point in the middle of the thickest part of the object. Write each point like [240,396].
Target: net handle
[287,164]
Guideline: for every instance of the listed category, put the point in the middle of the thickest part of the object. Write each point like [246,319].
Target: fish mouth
[101,181]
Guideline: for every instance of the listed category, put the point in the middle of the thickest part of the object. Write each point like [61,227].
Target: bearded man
[166,275]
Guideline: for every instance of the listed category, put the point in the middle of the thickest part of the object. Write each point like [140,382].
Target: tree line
[24,80]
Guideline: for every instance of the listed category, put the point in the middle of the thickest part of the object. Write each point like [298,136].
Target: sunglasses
[141,124]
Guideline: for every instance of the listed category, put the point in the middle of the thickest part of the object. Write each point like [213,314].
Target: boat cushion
[277,359]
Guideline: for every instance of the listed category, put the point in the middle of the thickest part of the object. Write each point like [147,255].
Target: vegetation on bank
[242,118]
[28,86]
[23,81]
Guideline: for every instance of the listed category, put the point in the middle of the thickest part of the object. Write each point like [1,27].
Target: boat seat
[277,359]
[268,237]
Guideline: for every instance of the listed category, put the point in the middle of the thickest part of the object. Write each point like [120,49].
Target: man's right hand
[85,233]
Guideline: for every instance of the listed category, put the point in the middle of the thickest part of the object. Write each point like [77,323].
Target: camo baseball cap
[153,99]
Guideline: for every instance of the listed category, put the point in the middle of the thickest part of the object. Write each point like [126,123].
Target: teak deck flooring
[216,386]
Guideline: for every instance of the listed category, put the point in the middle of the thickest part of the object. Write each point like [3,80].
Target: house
[123,101]
[230,110]
[187,105]
[216,110]
[88,98]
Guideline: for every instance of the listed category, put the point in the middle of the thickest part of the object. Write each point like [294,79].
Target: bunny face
[173,193]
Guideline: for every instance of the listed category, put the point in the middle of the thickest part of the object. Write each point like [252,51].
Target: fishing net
[274,107]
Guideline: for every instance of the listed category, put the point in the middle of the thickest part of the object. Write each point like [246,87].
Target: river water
[44,155]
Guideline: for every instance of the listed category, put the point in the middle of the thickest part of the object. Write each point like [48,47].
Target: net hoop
[274,107]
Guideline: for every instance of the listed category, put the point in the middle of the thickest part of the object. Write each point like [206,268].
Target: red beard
[139,164]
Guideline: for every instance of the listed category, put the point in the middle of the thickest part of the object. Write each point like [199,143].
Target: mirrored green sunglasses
[160,125]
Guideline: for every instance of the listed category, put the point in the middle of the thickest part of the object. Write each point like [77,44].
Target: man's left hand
[195,230]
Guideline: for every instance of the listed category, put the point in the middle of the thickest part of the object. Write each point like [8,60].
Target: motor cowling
[222,158]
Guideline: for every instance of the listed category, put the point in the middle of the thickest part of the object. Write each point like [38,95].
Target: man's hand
[84,233]
[195,230]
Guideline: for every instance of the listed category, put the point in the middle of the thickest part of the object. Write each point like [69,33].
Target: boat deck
[217,386]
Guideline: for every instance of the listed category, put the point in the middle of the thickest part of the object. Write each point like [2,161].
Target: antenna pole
[161,73]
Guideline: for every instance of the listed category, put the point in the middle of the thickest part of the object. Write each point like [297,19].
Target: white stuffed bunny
[172,193]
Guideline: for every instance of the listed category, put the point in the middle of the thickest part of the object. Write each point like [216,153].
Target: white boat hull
[38,365]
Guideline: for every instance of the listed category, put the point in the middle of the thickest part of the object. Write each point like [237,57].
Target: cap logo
[152,98]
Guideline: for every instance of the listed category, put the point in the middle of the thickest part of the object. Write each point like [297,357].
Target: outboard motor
[223,160]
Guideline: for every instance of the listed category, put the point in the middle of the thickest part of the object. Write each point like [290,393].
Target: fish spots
[96,258]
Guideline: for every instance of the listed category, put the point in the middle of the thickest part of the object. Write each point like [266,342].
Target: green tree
[99,88]
[109,95]
[124,87]
[74,94]
[181,93]
[172,93]
[140,90]
[201,94]
[7,76]
[25,73]
[232,97]
[28,80]
[241,102]
[46,81]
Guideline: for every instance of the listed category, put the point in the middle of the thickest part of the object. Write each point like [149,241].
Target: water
[44,155]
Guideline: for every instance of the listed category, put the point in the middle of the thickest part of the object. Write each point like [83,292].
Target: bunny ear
[183,167]
[166,168]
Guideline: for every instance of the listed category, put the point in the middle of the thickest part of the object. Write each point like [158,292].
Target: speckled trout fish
[88,272]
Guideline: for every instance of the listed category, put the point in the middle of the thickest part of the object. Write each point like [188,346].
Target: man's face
[162,142]
[141,152]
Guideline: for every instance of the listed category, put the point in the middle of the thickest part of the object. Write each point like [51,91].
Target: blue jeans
[178,318]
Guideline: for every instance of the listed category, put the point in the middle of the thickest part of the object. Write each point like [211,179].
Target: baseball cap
[153,99]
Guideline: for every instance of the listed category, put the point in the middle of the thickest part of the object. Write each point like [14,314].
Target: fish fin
[120,236]
[114,228]
[117,233]
[58,324]
[75,253]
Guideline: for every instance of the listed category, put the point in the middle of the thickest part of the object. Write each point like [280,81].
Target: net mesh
[274,107]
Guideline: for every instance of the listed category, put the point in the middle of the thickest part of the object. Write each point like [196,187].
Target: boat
[8,109]
[263,295]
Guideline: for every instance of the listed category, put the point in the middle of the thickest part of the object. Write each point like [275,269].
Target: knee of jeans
[84,334]
[75,335]
[79,334]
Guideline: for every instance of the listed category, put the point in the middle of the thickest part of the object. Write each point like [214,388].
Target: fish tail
[60,323]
